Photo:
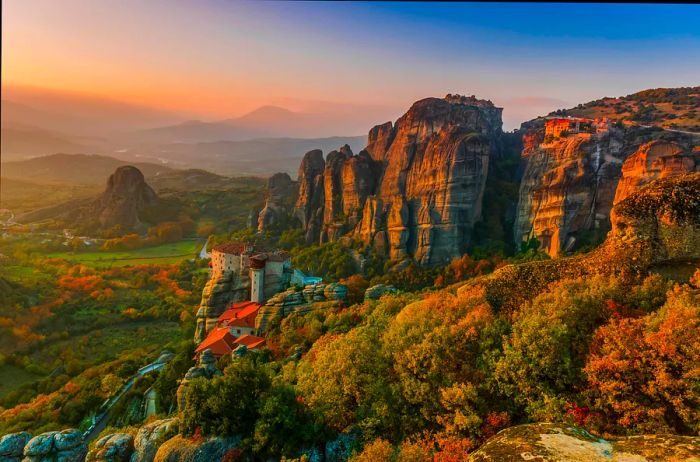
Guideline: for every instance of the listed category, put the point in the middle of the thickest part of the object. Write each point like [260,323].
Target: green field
[13,377]
[156,255]
[106,344]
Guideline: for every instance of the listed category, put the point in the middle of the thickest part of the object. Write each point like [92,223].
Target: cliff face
[415,191]
[653,160]
[570,183]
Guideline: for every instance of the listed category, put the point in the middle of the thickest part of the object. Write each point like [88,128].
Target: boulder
[150,437]
[182,449]
[64,446]
[40,445]
[335,291]
[117,447]
[377,291]
[547,442]
[205,367]
[12,445]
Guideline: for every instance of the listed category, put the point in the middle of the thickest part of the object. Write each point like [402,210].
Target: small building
[239,318]
[220,341]
[250,341]
[556,127]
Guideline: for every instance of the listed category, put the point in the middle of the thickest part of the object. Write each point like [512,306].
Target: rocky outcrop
[657,226]
[308,208]
[125,198]
[12,446]
[205,367]
[570,183]
[219,291]
[377,291]
[415,191]
[653,160]
[548,442]
[150,437]
[279,202]
[66,445]
[116,447]
[182,449]
[294,300]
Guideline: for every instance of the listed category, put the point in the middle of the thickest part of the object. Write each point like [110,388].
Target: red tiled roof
[251,341]
[234,309]
[234,248]
[219,341]
[246,317]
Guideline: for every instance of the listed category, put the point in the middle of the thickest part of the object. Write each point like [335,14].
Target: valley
[445,282]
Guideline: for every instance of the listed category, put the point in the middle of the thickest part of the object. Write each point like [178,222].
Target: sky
[218,59]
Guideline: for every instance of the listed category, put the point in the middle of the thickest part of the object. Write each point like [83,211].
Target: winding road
[101,419]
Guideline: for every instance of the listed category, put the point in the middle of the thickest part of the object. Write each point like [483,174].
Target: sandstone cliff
[415,191]
[655,227]
[570,183]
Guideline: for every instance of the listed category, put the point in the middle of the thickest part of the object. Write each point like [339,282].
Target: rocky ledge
[548,442]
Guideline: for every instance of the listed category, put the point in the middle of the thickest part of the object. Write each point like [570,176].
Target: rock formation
[206,367]
[220,291]
[549,442]
[181,449]
[125,198]
[150,437]
[415,191]
[656,226]
[64,445]
[570,183]
[656,159]
[279,201]
[115,447]
[293,300]
[12,446]
[377,291]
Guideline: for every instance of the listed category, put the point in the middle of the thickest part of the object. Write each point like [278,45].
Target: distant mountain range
[261,142]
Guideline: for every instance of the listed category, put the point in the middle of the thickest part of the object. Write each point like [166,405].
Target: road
[101,419]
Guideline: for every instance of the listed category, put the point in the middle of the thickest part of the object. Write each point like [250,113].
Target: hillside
[671,108]
[74,169]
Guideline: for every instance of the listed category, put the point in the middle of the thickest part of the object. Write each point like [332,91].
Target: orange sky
[218,58]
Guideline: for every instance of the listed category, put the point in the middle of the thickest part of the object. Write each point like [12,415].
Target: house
[239,318]
[219,341]
[250,341]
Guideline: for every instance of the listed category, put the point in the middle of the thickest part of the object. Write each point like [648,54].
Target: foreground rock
[150,437]
[66,445]
[117,447]
[181,449]
[546,442]
[12,446]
